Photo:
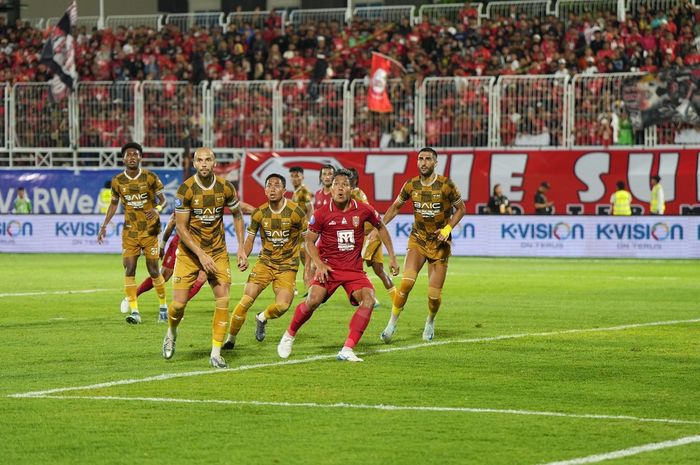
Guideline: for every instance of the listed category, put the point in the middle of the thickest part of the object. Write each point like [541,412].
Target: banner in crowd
[59,54]
[69,191]
[672,95]
[582,181]
[515,236]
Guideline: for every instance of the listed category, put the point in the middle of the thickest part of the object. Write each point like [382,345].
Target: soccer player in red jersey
[323,195]
[339,229]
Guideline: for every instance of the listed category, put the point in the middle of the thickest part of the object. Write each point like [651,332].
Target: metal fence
[456,112]
[581,7]
[135,21]
[450,13]
[170,117]
[89,22]
[531,110]
[243,114]
[385,13]
[393,129]
[302,17]
[173,114]
[599,116]
[186,21]
[313,114]
[633,6]
[242,20]
[529,8]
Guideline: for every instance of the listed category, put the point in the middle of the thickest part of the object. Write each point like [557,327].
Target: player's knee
[246,302]
[222,302]
[281,307]
[407,282]
[434,293]
[178,305]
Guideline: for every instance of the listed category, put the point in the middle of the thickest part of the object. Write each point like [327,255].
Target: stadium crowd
[590,43]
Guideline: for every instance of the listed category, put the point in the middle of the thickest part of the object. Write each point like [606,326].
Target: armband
[159,208]
[446,230]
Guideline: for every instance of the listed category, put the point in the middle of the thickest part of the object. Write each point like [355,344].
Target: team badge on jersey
[356,221]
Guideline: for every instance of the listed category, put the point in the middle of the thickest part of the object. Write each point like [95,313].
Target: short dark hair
[132,145]
[296,169]
[278,176]
[325,167]
[342,172]
[429,149]
[21,188]
[353,173]
[620,184]
[656,178]
[495,187]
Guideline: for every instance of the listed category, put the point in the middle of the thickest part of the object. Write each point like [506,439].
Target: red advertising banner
[582,181]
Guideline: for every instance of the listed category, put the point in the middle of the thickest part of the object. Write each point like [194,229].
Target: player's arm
[169,228]
[253,229]
[111,210]
[389,245]
[160,205]
[312,254]
[239,227]
[460,211]
[246,207]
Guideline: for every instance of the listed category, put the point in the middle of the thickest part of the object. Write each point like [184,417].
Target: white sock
[261,317]
[215,351]
[230,338]
[394,319]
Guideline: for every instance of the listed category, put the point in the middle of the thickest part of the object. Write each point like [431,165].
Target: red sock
[301,315]
[195,288]
[146,285]
[358,324]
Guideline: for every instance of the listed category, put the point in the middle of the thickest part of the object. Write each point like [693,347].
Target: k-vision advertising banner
[476,235]
[581,181]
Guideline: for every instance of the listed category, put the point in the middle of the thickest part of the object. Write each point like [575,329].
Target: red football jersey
[341,233]
[321,199]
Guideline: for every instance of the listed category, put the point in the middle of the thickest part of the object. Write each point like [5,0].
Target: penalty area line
[397,408]
[628,452]
[316,358]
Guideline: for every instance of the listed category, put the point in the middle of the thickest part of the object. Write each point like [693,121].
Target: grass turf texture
[64,340]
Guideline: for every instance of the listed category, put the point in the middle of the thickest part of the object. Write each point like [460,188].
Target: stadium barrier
[513,236]
[449,12]
[169,117]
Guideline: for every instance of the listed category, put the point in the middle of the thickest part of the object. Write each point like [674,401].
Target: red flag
[377,95]
[59,54]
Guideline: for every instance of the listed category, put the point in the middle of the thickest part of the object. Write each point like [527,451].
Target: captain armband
[445,231]
[159,208]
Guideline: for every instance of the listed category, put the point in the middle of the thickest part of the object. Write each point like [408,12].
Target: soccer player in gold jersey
[141,193]
[437,208]
[281,224]
[199,210]
[304,198]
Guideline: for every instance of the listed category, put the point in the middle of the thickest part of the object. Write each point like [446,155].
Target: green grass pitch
[534,361]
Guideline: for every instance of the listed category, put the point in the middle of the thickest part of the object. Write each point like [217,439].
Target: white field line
[315,358]
[397,408]
[24,294]
[627,452]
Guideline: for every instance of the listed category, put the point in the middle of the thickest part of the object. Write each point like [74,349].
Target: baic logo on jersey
[277,237]
[427,209]
[346,240]
[208,215]
[136,200]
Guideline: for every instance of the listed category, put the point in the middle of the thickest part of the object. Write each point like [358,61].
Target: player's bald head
[204,152]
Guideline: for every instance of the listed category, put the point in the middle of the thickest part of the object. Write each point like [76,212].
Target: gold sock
[176,311]
[239,315]
[392,293]
[130,291]
[159,284]
[434,300]
[275,310]
[218,324]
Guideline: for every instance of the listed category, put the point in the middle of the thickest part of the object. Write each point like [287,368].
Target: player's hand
[444,233]
[151,214]
[323,272]
[208,263]
[394,266]
[242,261]
[101,235]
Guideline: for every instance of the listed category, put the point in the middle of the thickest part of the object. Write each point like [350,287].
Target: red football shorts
[169,256]
[350,280]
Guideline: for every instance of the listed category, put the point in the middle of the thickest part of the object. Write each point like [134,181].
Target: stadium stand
[530,72]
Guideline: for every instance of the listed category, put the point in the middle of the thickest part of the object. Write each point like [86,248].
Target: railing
[135,21]
[580,7]
[185,21]
[88,22]
[452,13]
[385,13]
[170,118]
[327,15]
[257,19]
[530,8]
